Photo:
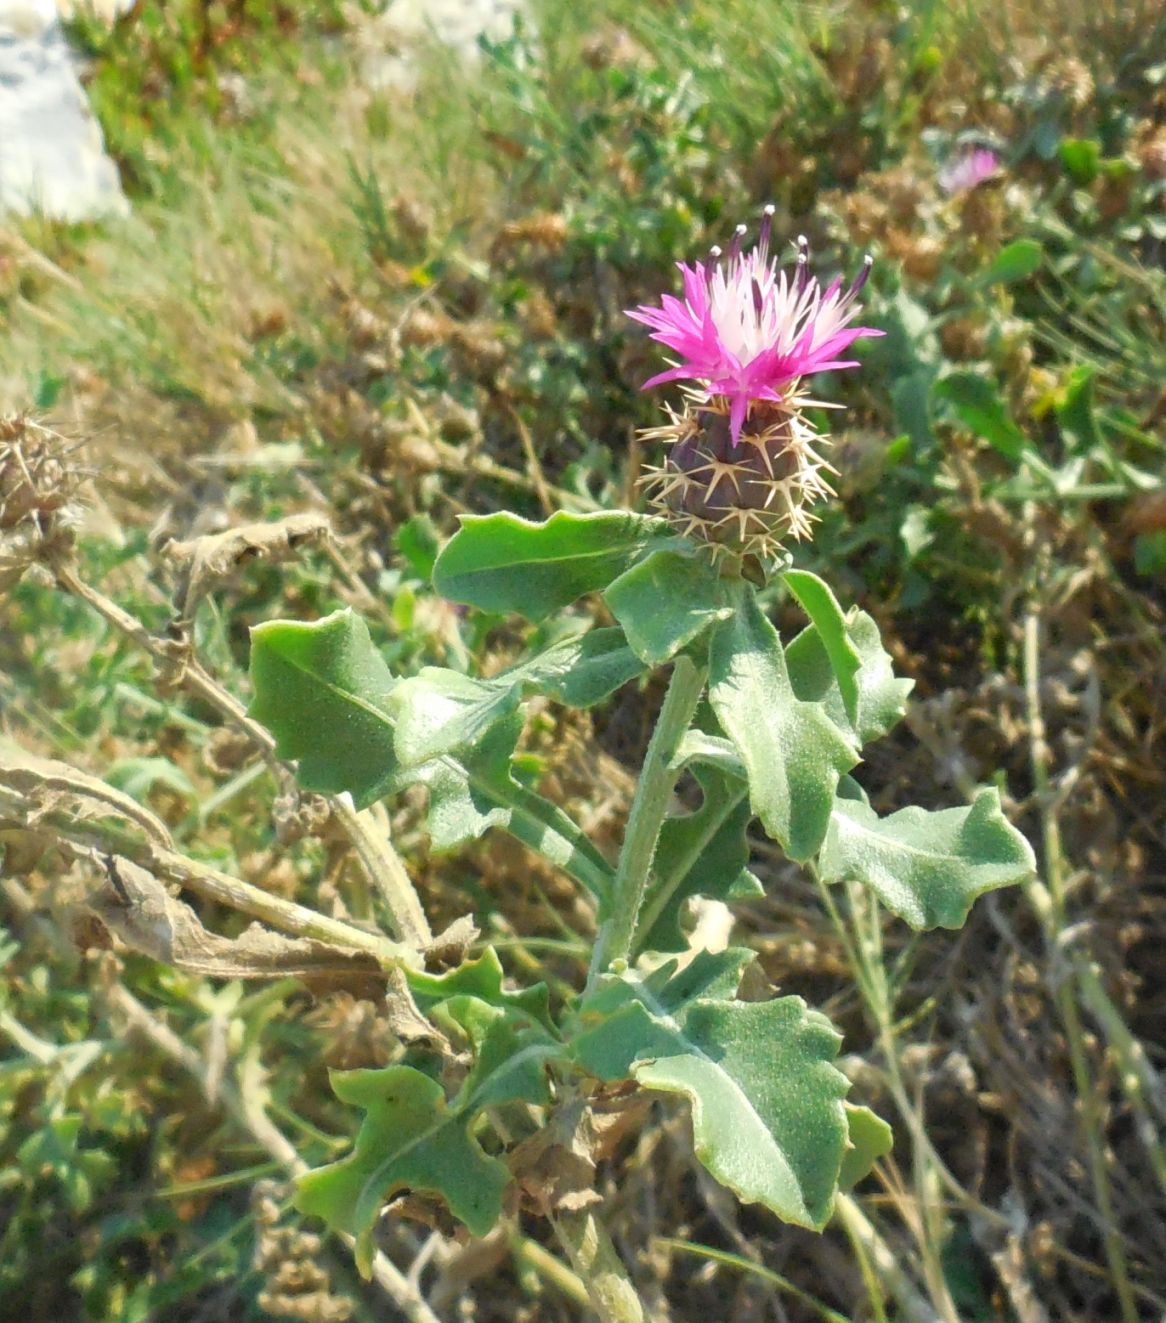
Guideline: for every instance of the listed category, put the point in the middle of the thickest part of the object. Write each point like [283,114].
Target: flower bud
[742,472]
[742,497]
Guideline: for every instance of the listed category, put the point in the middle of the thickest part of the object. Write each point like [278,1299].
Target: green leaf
[766,1099]
[476,791]
[665,602]
[702,853]
[321,689]
[1015,261]
[500,562]
[870,1139]
[926,867]
[412,1139]
[481,978]
[792,751]
[1075,412]
[820,604]
[1081,158]
[441,711]
[977,403]
[881,696]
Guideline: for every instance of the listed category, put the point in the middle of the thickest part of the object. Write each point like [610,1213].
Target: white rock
[52,159]
[389,38]
[106,10]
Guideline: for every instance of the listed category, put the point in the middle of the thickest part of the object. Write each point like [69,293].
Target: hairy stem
[653,793]
[369,833]
[595,1259]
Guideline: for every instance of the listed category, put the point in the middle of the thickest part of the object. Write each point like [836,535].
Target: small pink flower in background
[968,170]
[746,330]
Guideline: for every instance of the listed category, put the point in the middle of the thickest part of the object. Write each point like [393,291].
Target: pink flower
[968,170]
[746,331]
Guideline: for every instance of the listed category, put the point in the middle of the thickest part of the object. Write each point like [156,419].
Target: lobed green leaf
[500,562]
[793,752]
[481,978]
[666,601]
[926,867]
[413,1139]
[410,1139]
[766,1099]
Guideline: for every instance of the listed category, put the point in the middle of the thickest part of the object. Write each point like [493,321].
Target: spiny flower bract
[742,471]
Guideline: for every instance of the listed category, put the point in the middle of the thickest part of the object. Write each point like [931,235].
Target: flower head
[746,331]
[966,171]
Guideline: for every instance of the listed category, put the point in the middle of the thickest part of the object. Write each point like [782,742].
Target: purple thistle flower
[966,171]
[746,331]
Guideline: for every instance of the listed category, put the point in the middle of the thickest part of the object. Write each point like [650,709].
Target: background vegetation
[391,307]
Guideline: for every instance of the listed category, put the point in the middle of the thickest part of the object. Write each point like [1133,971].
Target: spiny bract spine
[743,497]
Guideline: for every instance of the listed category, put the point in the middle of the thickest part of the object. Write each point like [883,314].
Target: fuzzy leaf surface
[665,602]
[476,791]
[703,853]
[792,751]
[820,604]
[413,1139]
[442,711]
[321,688]
[503,563]
[870,1138]
[767,1111]
[927,867]
[881,698]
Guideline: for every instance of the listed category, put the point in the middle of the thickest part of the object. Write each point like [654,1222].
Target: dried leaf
[204,562]
[406,1020]
[555,1167]
[139,909]
[451,946]
[44,786]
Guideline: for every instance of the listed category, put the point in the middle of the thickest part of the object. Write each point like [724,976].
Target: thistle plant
[742,473]
[491,1110]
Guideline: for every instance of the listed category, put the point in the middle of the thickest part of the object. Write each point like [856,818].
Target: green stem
[1049,903]
[369,833]
[649,807]
[594,1258]
[666,889]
